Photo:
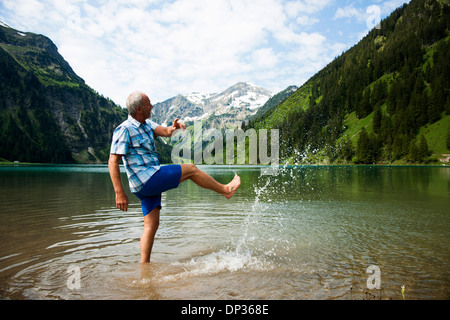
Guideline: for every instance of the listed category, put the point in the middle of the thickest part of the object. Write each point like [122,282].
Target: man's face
[147,108]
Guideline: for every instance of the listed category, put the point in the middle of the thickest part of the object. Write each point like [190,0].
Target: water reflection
[306,233]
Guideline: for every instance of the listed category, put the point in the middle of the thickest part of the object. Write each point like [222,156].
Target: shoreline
[288,165]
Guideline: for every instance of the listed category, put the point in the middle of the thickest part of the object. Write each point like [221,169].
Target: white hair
[134,100]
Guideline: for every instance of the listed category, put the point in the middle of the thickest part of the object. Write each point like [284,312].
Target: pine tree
[401,146]
[423,102]
[423,149]
[385,127]
[363,147]
[448,138]
[414,153]
[346,149]
[433,113]
[364,107]
[393,97]
[376,121]
[438,100]
[447,106]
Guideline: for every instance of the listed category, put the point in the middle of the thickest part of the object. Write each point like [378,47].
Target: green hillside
[374,102]
[48,114]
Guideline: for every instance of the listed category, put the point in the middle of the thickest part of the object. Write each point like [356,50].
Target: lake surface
[309,232]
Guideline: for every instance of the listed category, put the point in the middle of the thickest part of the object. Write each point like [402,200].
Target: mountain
[48,113]
[274,101]
[386,99]
[228,108]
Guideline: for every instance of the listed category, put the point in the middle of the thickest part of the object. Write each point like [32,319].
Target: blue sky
[181,46]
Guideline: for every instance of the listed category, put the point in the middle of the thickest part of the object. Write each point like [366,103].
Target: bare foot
[233,186]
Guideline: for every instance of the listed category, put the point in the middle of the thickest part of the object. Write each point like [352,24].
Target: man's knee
[194,169]
[190,170]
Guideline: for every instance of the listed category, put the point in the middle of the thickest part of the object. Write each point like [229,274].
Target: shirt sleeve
[154,125]
[120,141]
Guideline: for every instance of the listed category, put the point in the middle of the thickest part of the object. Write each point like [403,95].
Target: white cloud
[363,13]
[367,16]
[350,12]
[170,47]
[389,6]
[293,8]
[306,20]
[265,58]
[28,9]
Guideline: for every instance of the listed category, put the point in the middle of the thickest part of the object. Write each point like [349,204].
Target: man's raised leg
[204,180]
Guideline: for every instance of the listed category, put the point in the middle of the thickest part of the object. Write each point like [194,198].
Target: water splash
[263,242]
[251,217]
[242,255]
[211,264]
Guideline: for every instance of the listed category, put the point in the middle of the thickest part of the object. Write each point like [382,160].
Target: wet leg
[151,224]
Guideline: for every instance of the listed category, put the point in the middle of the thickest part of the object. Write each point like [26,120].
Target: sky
[170,47]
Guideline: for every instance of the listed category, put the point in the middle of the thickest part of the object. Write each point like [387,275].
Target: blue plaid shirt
[136,142]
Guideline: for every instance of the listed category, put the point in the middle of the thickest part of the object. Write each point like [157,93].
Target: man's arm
[114,172]
[168,131]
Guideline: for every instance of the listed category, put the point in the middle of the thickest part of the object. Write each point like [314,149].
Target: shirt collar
[133,121]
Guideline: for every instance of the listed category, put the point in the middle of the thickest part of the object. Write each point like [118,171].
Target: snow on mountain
[229,107]
[198,98]
[240,96]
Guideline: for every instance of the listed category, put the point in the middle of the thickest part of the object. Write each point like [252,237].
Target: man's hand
[114,171]
[177,124]
[161,131]
[122,201]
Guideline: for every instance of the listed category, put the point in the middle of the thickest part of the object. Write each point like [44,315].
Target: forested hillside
[384,100]
[48,114]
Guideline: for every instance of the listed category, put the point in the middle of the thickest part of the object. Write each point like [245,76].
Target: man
[134,142]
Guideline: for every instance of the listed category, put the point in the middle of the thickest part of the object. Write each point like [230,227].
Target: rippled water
[306,233]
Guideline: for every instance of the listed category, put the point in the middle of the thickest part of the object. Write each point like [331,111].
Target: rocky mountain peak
[227,108]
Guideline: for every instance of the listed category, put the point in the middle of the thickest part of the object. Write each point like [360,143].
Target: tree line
[399,75]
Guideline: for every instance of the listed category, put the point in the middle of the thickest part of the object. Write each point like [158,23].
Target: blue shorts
[166,178]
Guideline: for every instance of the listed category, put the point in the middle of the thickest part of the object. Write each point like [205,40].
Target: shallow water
[307,233]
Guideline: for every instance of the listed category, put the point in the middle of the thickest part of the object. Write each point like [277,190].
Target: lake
[309,232]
